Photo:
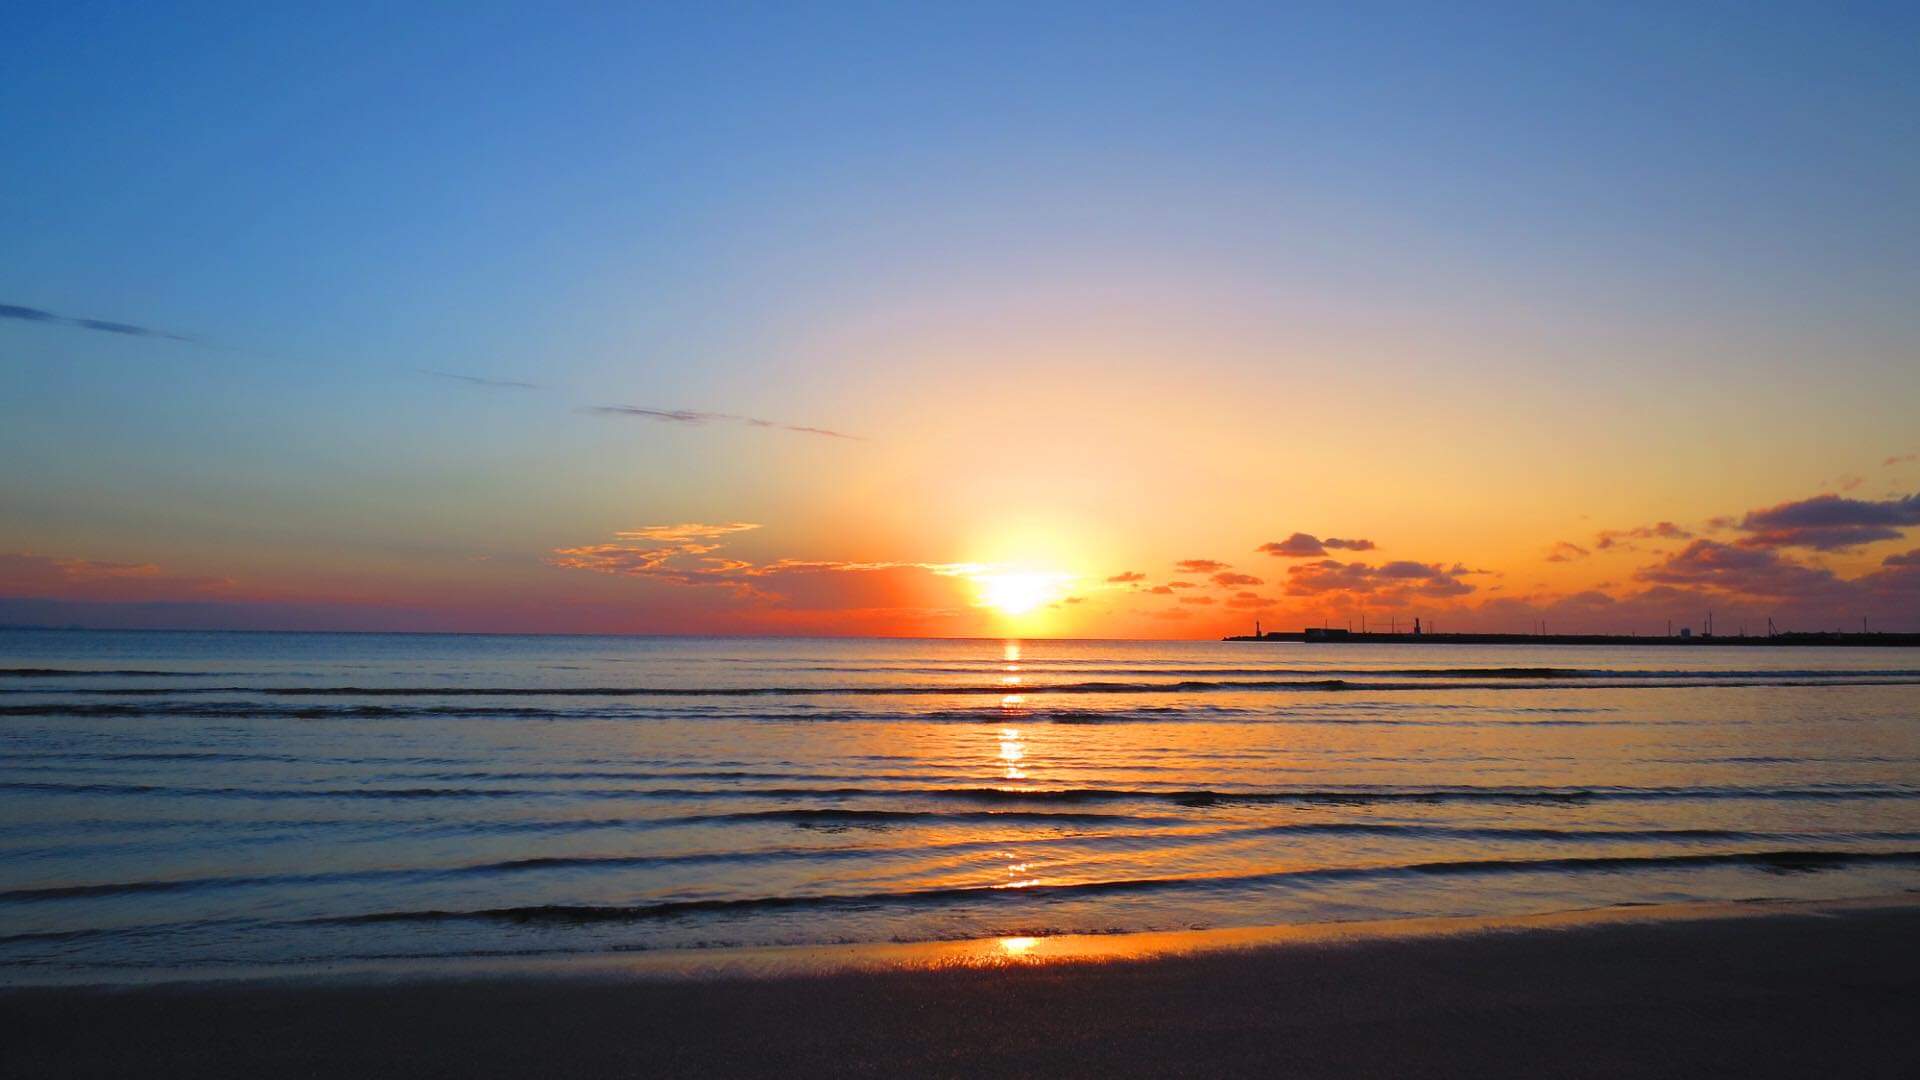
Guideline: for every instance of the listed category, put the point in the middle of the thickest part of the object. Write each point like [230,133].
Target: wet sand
[1789,990]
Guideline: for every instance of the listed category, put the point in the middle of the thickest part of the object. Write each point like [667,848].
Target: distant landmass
[1319,635]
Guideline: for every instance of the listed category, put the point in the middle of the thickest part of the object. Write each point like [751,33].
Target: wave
[1612,680]
[57,673]
[1361,796]
[536,864]
[993,712]
[249,709]
[995,669]
[1780,861]
[998,669]
[990,713]
[800,817]
[1187,797]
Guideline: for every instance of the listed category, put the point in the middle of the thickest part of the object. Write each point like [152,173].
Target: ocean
[180,802]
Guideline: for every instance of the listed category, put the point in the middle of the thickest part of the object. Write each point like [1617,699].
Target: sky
[1110,320]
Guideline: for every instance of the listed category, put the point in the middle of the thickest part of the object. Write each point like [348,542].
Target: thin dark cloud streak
[697,418]
[29,314]
[23,313]
[476,380]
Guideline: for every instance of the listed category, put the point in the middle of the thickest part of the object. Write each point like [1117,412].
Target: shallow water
[178,800]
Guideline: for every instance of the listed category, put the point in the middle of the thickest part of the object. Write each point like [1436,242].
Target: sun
[1019,593]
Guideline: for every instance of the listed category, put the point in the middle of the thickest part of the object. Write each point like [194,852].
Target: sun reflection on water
[1018,946]
[1013,751]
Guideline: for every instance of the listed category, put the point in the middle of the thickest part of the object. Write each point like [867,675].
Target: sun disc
[1018,593]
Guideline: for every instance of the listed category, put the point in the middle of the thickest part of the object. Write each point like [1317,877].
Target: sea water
[189,801]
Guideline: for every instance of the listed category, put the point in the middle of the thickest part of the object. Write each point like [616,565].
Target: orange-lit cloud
[1200,566]
[1816,562]
[673,534]
[1611,539]
[681,555]
[1743,571]
[26,574]
[1402,579]
[1830,522]
[1566,551]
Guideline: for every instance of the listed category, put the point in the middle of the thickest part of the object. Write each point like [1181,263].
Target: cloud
[1744,576]
[28,314]
[1197,600]
[680,553]
[1161,590]
[625,559]
[1126,577]
[1608,539]
[1742,570]
[1823,538]
[24,574]
[686,531]
[1392,581]
[1830,522]
[807,590]
[1200,566]
[1566,551]
[21,566]
[1897,581]
[1226,579]
[218,614]
[1306,546]
[1900,459]
[805,584]
[805,430]
[690,416]
[1297,546]
[476,380]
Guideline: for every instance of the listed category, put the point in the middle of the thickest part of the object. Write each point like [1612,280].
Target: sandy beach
[1726,990]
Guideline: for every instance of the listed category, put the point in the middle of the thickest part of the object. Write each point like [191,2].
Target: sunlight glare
[1021,592]
[1018,946]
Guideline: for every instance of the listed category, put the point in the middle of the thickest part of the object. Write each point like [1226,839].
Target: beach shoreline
[1754,989]
[875,957]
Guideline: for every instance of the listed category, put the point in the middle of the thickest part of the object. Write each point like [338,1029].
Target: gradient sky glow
[482,318]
